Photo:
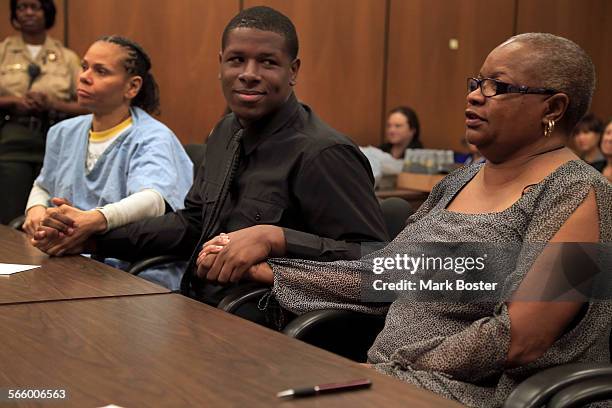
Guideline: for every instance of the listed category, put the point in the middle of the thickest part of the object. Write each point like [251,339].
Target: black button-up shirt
[295,172]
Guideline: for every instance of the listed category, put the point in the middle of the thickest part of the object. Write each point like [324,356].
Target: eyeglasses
[31,6]
[491,87]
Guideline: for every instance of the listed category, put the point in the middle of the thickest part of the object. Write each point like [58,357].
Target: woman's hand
[65,229]
[39,101]
[262,273]
[207,255]
[33,218]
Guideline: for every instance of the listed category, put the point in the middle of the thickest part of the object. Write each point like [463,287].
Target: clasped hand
[63,229]
[229,258]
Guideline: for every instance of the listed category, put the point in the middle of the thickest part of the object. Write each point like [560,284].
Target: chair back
[395,213]
[197,153]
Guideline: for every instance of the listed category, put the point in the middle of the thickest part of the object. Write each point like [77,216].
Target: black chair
[17,222]
[197,153]
[395,213]
[343,332]
[565,386]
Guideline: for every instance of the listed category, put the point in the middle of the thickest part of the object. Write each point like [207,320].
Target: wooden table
[168,350]
[412,187]
[417,181]
[70,277]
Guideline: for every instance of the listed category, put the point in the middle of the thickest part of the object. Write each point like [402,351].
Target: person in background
[118,165]
[521,109]
[37,88]
[605,167]
[586,138]
[402,132]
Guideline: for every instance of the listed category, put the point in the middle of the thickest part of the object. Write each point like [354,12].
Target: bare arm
[536,325]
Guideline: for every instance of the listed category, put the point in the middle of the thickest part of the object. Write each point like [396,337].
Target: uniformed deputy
[37,88]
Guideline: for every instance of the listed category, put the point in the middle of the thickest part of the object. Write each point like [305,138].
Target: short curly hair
[564,66]
[265,19]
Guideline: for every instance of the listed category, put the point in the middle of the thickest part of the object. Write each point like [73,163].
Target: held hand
[72,229]
[53,242]
[59,218]
[208,253]
[246,248]
[33,218]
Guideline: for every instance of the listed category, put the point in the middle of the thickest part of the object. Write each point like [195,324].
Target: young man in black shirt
[276,178]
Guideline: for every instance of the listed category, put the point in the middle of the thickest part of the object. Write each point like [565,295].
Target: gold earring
[549,127]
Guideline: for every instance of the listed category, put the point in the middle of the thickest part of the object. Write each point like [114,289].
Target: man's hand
[33,218]
[245,248]
[65,229]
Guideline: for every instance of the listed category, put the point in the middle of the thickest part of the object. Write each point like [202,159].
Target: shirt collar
[254,134]
[17,44]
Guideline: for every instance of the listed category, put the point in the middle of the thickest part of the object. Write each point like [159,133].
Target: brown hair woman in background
[403,132]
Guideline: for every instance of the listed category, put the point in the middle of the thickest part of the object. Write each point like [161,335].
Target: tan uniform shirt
[59,69]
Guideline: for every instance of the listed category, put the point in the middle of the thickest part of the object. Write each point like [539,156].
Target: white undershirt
[95,149]
[33,50]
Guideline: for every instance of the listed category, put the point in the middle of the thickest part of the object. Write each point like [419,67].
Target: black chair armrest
[139,266]
[17,222]
[248,300]
[344,332]
[241,295]
[537,390]
[583,393]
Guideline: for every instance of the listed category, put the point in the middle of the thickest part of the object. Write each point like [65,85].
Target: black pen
[326,388]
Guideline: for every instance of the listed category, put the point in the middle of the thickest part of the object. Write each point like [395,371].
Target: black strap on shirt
[212,217]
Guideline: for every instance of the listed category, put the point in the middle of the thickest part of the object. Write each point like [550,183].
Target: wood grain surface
[168,350]
[71,277]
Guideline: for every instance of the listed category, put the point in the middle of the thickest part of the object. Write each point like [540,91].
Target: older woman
[116,166]
[521,108]
[37,88]
[403,132]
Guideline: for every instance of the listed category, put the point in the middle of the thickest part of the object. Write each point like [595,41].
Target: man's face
[257,74]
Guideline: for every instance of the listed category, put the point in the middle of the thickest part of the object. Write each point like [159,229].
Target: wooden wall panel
[589,24]
[183,39]
[424,73]
[5,24]
[342,52]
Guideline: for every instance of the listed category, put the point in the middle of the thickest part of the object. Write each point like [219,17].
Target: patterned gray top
[458,350]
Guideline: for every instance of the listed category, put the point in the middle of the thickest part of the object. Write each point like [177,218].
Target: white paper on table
[9,269]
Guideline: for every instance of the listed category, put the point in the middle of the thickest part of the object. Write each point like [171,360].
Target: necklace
[547,151]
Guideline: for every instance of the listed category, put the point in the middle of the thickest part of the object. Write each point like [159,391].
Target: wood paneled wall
[425,73]
[360,58]
[5,20]
[588,24]
[342,45]
[183,39]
